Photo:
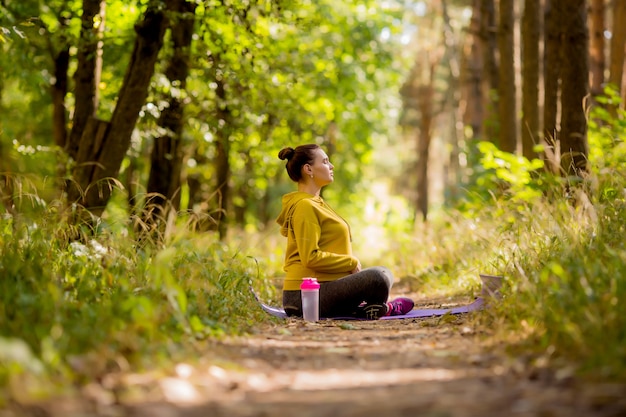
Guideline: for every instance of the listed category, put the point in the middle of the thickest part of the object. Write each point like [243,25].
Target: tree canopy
[260,76]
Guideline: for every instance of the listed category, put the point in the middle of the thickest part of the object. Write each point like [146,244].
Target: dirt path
[436,367]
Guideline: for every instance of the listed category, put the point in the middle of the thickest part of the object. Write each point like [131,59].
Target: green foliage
[502,174]
[607,150]
[560,247]
[289,73]
[566,280]
[62,302]
[306,72]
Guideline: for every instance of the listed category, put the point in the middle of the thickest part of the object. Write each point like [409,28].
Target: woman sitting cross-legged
[319,246]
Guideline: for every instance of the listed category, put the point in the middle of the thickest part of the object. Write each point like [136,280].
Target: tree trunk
[575,87]
[166,159]
[418,95]
[58,93]
[6,181]
[471,73]
[455,97]
[198,188]
[488,36]
[59,88]
[551,68]
[596,46]
[263,214]
[99,157]
[530,78]
[507,132]
[87,75]
[618,43]
[131,182]
[425,95]
[222,168]
[243,191]
[4,158]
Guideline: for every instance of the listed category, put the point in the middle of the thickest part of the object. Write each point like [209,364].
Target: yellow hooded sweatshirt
[318,240]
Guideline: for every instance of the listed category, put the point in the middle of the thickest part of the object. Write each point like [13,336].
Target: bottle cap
[309,284]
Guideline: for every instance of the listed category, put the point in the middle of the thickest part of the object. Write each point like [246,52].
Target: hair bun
[286,153]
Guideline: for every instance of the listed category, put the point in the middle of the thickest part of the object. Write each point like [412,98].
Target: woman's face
[321,168]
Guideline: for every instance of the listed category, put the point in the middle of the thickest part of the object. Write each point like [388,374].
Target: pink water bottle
[310,291]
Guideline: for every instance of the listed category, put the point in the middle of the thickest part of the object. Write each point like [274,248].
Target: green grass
[563,259]
[64,303]
[567,287]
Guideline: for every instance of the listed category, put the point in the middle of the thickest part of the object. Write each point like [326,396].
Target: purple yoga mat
[415,313]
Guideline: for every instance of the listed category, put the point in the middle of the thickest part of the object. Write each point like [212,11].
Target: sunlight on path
[190,390]
[332,379]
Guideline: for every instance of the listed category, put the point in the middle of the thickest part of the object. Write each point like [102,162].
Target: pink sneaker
[400,306]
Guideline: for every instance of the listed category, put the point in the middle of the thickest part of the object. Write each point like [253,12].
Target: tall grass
[560,246]
[65,303]
[568,287]
[564,263]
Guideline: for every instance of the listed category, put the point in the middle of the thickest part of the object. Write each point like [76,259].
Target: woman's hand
[357,268]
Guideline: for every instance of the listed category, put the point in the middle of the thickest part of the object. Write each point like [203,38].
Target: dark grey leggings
[341,298]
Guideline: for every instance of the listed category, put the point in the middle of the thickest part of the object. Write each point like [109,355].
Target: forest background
[140,178]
